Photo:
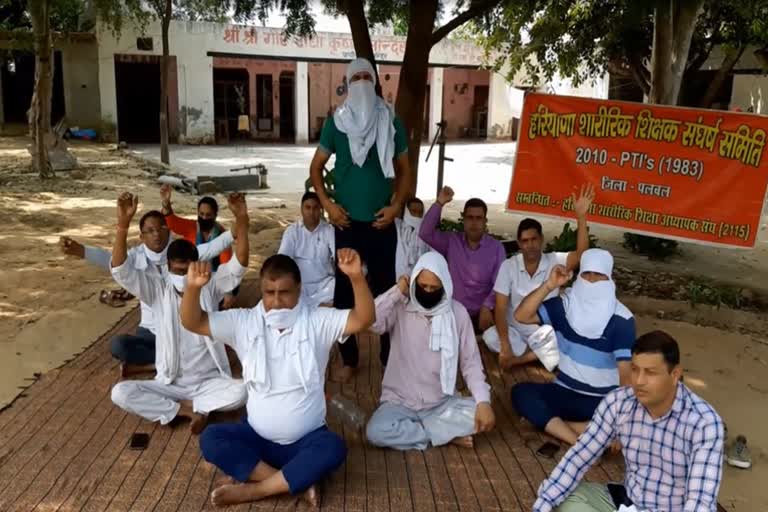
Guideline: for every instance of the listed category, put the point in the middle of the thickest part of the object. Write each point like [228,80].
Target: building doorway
[287,107]
[231,99]
[137,87]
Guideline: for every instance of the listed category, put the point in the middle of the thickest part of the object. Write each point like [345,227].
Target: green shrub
[567,239]
[700,291]
[654,248]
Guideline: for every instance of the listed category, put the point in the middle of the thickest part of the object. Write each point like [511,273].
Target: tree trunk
[164,70]
[40,110]
[673,25]
[412,87]
[361,37]
[730,60]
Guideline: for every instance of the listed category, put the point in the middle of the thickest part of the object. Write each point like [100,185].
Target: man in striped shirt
[672,442]
[595,333]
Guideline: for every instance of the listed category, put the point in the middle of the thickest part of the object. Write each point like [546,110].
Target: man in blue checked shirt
[672,442]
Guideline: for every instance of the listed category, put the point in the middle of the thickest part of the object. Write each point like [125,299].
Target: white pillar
[500,111]
[435,101]
[301,103]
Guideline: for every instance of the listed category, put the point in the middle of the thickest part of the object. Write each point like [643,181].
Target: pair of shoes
[738,454]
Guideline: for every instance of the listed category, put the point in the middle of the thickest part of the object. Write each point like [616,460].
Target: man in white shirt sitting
[193,374]
[521,274]
[409,246]
[312,245]
[136,352]
[283,344]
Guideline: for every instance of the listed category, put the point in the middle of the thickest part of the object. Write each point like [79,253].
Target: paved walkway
[64,447]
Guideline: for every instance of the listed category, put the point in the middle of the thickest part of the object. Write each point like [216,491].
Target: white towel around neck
[366,119]
[255,371]
[444,335]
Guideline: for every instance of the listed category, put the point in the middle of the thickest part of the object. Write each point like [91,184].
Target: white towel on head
[590,306]
[366,119]
[444,335]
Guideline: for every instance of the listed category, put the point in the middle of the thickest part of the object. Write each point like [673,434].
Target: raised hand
[349,262]
[198,274]
[337,215]
[582,204]
[237,205]
[71,248]
[559,277]
[404,284]
[445,196]
[165,194]
[127,204]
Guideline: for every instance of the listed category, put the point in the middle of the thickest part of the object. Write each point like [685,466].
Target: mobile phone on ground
[139,441]
[548,450]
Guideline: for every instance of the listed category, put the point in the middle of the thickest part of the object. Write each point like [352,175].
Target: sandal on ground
[110,299]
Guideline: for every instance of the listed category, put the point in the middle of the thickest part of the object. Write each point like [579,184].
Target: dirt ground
[49,308]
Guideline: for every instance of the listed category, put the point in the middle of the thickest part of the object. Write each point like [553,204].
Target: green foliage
[700,291]
[654,248]
[567,239]
[583,39]
[329,183]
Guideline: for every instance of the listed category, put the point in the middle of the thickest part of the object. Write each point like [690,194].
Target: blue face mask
[178,282]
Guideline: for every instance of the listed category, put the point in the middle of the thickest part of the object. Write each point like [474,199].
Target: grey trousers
[395,426]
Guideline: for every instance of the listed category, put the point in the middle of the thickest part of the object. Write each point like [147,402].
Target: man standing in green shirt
[371,150]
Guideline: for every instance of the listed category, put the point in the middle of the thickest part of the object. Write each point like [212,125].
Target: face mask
[361,98]
[154,257]
[428,300]
[178,282]
[206,224]
[410,220]
[280,319]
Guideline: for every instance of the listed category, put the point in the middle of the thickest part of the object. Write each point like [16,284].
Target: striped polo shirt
[589,366]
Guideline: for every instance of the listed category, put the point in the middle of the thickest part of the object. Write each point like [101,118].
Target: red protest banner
[691,174]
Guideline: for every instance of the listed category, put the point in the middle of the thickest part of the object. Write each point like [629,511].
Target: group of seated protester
[383,264]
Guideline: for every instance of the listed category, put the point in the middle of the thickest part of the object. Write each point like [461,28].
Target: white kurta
[142,261]
[189,366]
[514,281]
[292,410]
[314,253]
[409,248]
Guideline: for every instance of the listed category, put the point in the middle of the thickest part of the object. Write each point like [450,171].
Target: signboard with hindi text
[688,174]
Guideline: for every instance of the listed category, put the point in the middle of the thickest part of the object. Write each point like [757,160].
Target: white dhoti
[542,340]
[155,401]
[401,428]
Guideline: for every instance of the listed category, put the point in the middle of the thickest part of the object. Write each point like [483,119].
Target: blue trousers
[136,348]
[539,403]
[236,449]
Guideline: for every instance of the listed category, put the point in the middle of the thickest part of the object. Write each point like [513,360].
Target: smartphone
[548,450]
[139,441]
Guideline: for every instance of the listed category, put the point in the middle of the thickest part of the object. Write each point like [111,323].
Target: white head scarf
[590,306]
[366,119]
[444,335]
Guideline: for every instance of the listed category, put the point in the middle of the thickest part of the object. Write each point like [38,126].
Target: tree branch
[475,10]
[640,74]
[730,60]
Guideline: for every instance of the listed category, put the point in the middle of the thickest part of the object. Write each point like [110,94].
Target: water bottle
[346,411]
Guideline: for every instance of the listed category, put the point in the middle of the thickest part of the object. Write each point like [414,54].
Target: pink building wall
[260,67]
[326,92]
[459,98]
